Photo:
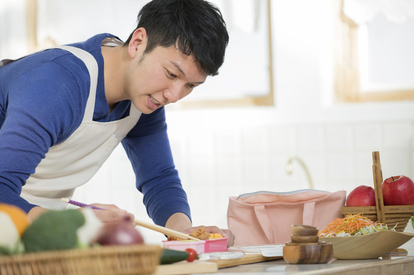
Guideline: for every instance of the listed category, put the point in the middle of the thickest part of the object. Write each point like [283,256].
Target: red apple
[361,196]
[398,190]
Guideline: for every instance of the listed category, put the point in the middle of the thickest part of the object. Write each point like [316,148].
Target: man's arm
[38,113]
[148,149]
[111,214]
[180,222]
[157,178]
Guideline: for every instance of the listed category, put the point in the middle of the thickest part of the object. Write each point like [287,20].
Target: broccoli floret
[53,230]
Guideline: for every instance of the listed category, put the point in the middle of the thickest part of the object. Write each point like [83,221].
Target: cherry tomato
[192,255]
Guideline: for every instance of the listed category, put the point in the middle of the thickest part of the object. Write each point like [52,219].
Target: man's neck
[113,71]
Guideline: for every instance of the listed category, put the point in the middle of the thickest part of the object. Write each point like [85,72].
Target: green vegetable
[366,230]
[19,248]
[170,256]
[54,230]
[10,242]
[371,229]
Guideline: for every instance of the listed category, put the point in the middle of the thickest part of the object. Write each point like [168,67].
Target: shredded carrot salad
[351,225]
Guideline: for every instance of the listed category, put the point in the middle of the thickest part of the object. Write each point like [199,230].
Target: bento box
[216,245]
[206,246]
[182,245]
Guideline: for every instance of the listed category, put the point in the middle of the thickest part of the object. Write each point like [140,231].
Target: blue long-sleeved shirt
[42,102]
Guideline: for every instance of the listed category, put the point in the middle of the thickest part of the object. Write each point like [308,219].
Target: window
[245,79]
[373,58]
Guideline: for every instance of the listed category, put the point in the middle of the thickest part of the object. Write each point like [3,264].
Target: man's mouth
[153,100]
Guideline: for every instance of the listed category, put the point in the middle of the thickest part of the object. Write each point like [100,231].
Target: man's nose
[173,94]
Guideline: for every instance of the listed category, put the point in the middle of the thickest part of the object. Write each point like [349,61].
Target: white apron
[74,162]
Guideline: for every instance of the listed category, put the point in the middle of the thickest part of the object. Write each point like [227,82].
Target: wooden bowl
[369,246]
[304,230]
[308,254]
[320,242]
[304,239]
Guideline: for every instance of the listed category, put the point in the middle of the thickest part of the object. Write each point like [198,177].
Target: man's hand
[180,222]
[214,229]
[35,212]
[112,213]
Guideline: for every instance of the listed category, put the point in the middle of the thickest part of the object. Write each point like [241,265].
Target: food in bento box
[200,234]
[213,242]
[214,236]
[352,225]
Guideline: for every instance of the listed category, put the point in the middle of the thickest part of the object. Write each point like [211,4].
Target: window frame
[244,101]
[346,69]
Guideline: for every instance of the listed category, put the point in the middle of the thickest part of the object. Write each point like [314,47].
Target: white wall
[226,152]
[13,35]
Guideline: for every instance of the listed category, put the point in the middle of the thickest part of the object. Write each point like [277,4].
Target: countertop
[395,265]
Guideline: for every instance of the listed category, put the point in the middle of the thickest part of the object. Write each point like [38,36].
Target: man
[63,111]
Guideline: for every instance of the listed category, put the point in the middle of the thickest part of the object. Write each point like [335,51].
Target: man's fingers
[113,216]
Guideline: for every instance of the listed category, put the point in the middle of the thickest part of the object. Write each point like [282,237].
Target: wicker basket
[391,215]
[106,260]
[395,215]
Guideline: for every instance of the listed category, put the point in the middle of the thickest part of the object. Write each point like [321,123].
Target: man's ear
[138,43]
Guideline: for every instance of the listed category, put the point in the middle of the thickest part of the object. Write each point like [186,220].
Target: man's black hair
[193,26]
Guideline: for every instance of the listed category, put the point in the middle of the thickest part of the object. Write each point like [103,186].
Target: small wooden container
[304,239]
[307,253]
[304,230]
[390,215]
[305,248]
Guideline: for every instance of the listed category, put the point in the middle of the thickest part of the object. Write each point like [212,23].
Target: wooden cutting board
[249,258]
[210,266]
[185,267]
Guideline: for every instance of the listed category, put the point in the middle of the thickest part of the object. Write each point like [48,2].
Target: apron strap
[92,66]
[4,62]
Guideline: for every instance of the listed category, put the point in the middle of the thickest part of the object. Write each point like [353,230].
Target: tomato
[192,255]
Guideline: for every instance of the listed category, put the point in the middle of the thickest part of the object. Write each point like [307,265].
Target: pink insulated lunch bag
[266,217]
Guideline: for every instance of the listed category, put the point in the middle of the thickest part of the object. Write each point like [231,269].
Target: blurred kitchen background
[316,90]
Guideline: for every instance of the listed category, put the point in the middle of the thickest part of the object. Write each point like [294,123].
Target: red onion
[123,233]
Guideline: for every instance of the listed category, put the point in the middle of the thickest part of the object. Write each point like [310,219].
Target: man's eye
[192,86]
[171,75]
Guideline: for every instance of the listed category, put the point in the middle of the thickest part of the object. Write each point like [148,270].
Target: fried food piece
[200,234]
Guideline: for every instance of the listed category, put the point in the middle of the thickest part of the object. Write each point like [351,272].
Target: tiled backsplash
[217,160]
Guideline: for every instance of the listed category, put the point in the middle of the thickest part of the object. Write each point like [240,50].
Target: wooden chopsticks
[164,230]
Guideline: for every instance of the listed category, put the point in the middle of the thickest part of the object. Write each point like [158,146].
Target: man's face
[165,75]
